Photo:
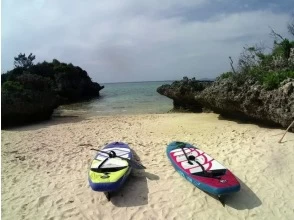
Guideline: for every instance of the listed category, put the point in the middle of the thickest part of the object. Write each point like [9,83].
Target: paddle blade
[136,165]
[180,144]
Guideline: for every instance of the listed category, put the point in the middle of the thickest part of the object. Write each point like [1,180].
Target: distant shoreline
[204,79]
[138,82]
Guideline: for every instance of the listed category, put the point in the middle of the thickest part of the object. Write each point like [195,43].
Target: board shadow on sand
[241,119]
[135,191]
[244,199]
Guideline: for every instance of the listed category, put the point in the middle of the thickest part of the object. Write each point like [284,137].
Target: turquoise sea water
[123,98]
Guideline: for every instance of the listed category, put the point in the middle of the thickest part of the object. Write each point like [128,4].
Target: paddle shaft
[189,161]
[280,141]
[186,155]
[134,164]
[203,170]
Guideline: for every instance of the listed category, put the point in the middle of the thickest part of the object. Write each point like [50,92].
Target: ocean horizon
[165,81]
[148,81]
[121,98]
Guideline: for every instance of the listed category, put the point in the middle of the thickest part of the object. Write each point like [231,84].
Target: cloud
[138,40]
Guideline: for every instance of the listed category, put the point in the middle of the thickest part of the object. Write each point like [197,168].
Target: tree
[22,61]
[291,26]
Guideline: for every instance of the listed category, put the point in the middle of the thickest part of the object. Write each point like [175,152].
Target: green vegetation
[22,61]
[225,75]
[268,69]
[69,82]
[188,86]
[12,86]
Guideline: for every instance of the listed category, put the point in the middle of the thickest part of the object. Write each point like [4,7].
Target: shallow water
[122,98]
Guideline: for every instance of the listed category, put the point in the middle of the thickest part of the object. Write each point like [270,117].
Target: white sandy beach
[45,168]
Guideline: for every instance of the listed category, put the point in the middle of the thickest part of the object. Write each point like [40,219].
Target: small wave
[118,107]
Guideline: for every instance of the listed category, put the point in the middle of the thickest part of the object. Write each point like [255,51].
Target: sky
[136,40]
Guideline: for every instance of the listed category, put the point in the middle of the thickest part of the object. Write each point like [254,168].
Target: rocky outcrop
[251,100]
[39,107]
[29,99]
[183,93]
[31,94]
[260,89]
[75,89]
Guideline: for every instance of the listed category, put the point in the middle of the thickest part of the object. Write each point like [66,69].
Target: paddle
[182,145]
[191,158]
[132,163]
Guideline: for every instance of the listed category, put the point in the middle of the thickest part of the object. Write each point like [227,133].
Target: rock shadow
[54,120]
[241,119]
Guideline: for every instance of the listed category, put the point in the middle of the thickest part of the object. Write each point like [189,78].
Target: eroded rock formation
[183,93]
[251,100]
[228,98]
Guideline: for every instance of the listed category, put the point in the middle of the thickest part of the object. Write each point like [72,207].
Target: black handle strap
[131,162]
[103,162]
[182,147]
[191,158]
